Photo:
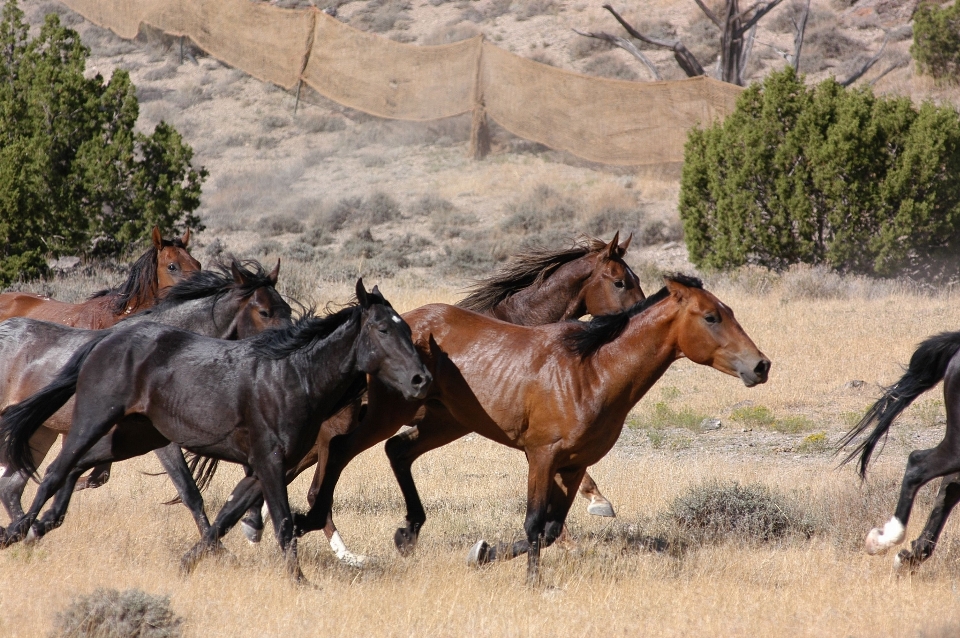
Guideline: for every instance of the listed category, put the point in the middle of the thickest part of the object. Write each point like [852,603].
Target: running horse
[164,264]
[934,360]
[559,392]
[228,302]
[537,286]
[258,402]
[161,266]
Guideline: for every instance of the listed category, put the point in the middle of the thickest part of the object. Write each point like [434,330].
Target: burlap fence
[607,121]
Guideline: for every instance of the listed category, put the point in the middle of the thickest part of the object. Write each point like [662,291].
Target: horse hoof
[880,540]
[479,554]
[601,508]
[32,536]
[405,540]
[250,532]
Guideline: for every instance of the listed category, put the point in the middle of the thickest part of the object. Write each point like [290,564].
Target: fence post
[479,130]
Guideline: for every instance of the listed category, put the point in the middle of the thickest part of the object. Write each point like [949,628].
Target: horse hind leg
[98,477]
[13,484]
[599,505]
[244,495]
[921,549]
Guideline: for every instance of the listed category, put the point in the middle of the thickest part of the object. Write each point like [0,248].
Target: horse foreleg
[921,549]
[599,505]
[244,495]
[171,458]
[268,466]
[437,428]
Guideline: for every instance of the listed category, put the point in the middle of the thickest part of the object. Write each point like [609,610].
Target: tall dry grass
[119,536]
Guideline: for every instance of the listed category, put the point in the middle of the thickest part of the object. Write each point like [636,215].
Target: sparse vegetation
[108,613]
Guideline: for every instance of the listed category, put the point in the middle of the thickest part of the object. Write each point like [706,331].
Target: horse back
[93,314]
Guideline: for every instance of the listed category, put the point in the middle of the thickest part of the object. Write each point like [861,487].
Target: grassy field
[616,580]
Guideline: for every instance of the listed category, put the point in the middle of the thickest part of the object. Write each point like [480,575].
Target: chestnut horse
[936,358]
[163,265]
[536,287]
[559,392]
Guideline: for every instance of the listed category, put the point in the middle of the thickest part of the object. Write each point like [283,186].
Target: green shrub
[663,416]
[753,415]
[108,613]
[936,41]
[793,425]
[75,177]
[824,176]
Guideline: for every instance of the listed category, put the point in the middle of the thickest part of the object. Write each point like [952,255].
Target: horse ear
[622,249]
[274,274]
[185,238]
[238,276]
[376,290]
[362,294]
[677,289]
[610,250]
[157,238]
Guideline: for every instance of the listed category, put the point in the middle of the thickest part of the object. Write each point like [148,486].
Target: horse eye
[619,283]
[172,267]
[265,314]
[712,319]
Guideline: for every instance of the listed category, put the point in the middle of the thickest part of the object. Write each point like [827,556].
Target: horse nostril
[417,380]
[763,367]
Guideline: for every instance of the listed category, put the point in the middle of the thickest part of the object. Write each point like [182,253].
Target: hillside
[346,192]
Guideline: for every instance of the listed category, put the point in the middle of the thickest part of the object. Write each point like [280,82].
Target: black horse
[257,402]
[935,359]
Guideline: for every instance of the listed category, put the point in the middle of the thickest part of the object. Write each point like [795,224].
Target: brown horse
[164,264]
[536,287]
[559,392]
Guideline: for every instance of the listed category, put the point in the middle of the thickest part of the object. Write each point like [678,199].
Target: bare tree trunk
[684,58]
[798,40]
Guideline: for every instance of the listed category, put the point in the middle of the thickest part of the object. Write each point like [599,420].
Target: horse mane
[140,288]
[526,269]
[588,337]
[307,330]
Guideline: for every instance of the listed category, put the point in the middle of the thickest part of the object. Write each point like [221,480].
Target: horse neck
[210,316]
[328,367]
[557,298]
[632,363]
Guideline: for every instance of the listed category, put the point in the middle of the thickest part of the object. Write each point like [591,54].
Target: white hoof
[251,533]
[31,537]
[344,555]
[478,554]
[879,541]
[601,508]
[897,563]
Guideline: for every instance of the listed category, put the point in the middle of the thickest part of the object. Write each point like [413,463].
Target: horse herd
[211,363]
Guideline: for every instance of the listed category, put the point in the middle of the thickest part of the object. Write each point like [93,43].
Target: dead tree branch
[896,65]
[866,66]
[684,58]
[626,45]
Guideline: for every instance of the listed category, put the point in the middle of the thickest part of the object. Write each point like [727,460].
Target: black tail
[203,468]
[19,422]
[928,365]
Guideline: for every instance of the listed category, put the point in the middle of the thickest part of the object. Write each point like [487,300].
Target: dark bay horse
[559,392]
[935,359]
[258,402]
[163,265]
[537,286]
[231,302]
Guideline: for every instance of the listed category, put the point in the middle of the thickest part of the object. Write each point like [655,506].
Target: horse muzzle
[756,375]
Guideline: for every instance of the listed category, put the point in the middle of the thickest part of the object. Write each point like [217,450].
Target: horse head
[174,263]
[262,306]
[612,286]
[708,333]
[385,347]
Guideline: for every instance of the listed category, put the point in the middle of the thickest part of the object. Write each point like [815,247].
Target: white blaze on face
[397,319]
[3,470]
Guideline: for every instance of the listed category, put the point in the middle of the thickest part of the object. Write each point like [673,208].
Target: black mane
[217,282]
[141,284]
[602,330]
[308,329]
[524,270]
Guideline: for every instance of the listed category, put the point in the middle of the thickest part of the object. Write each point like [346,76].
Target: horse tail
[928,365]
[19,422]
[203,468]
